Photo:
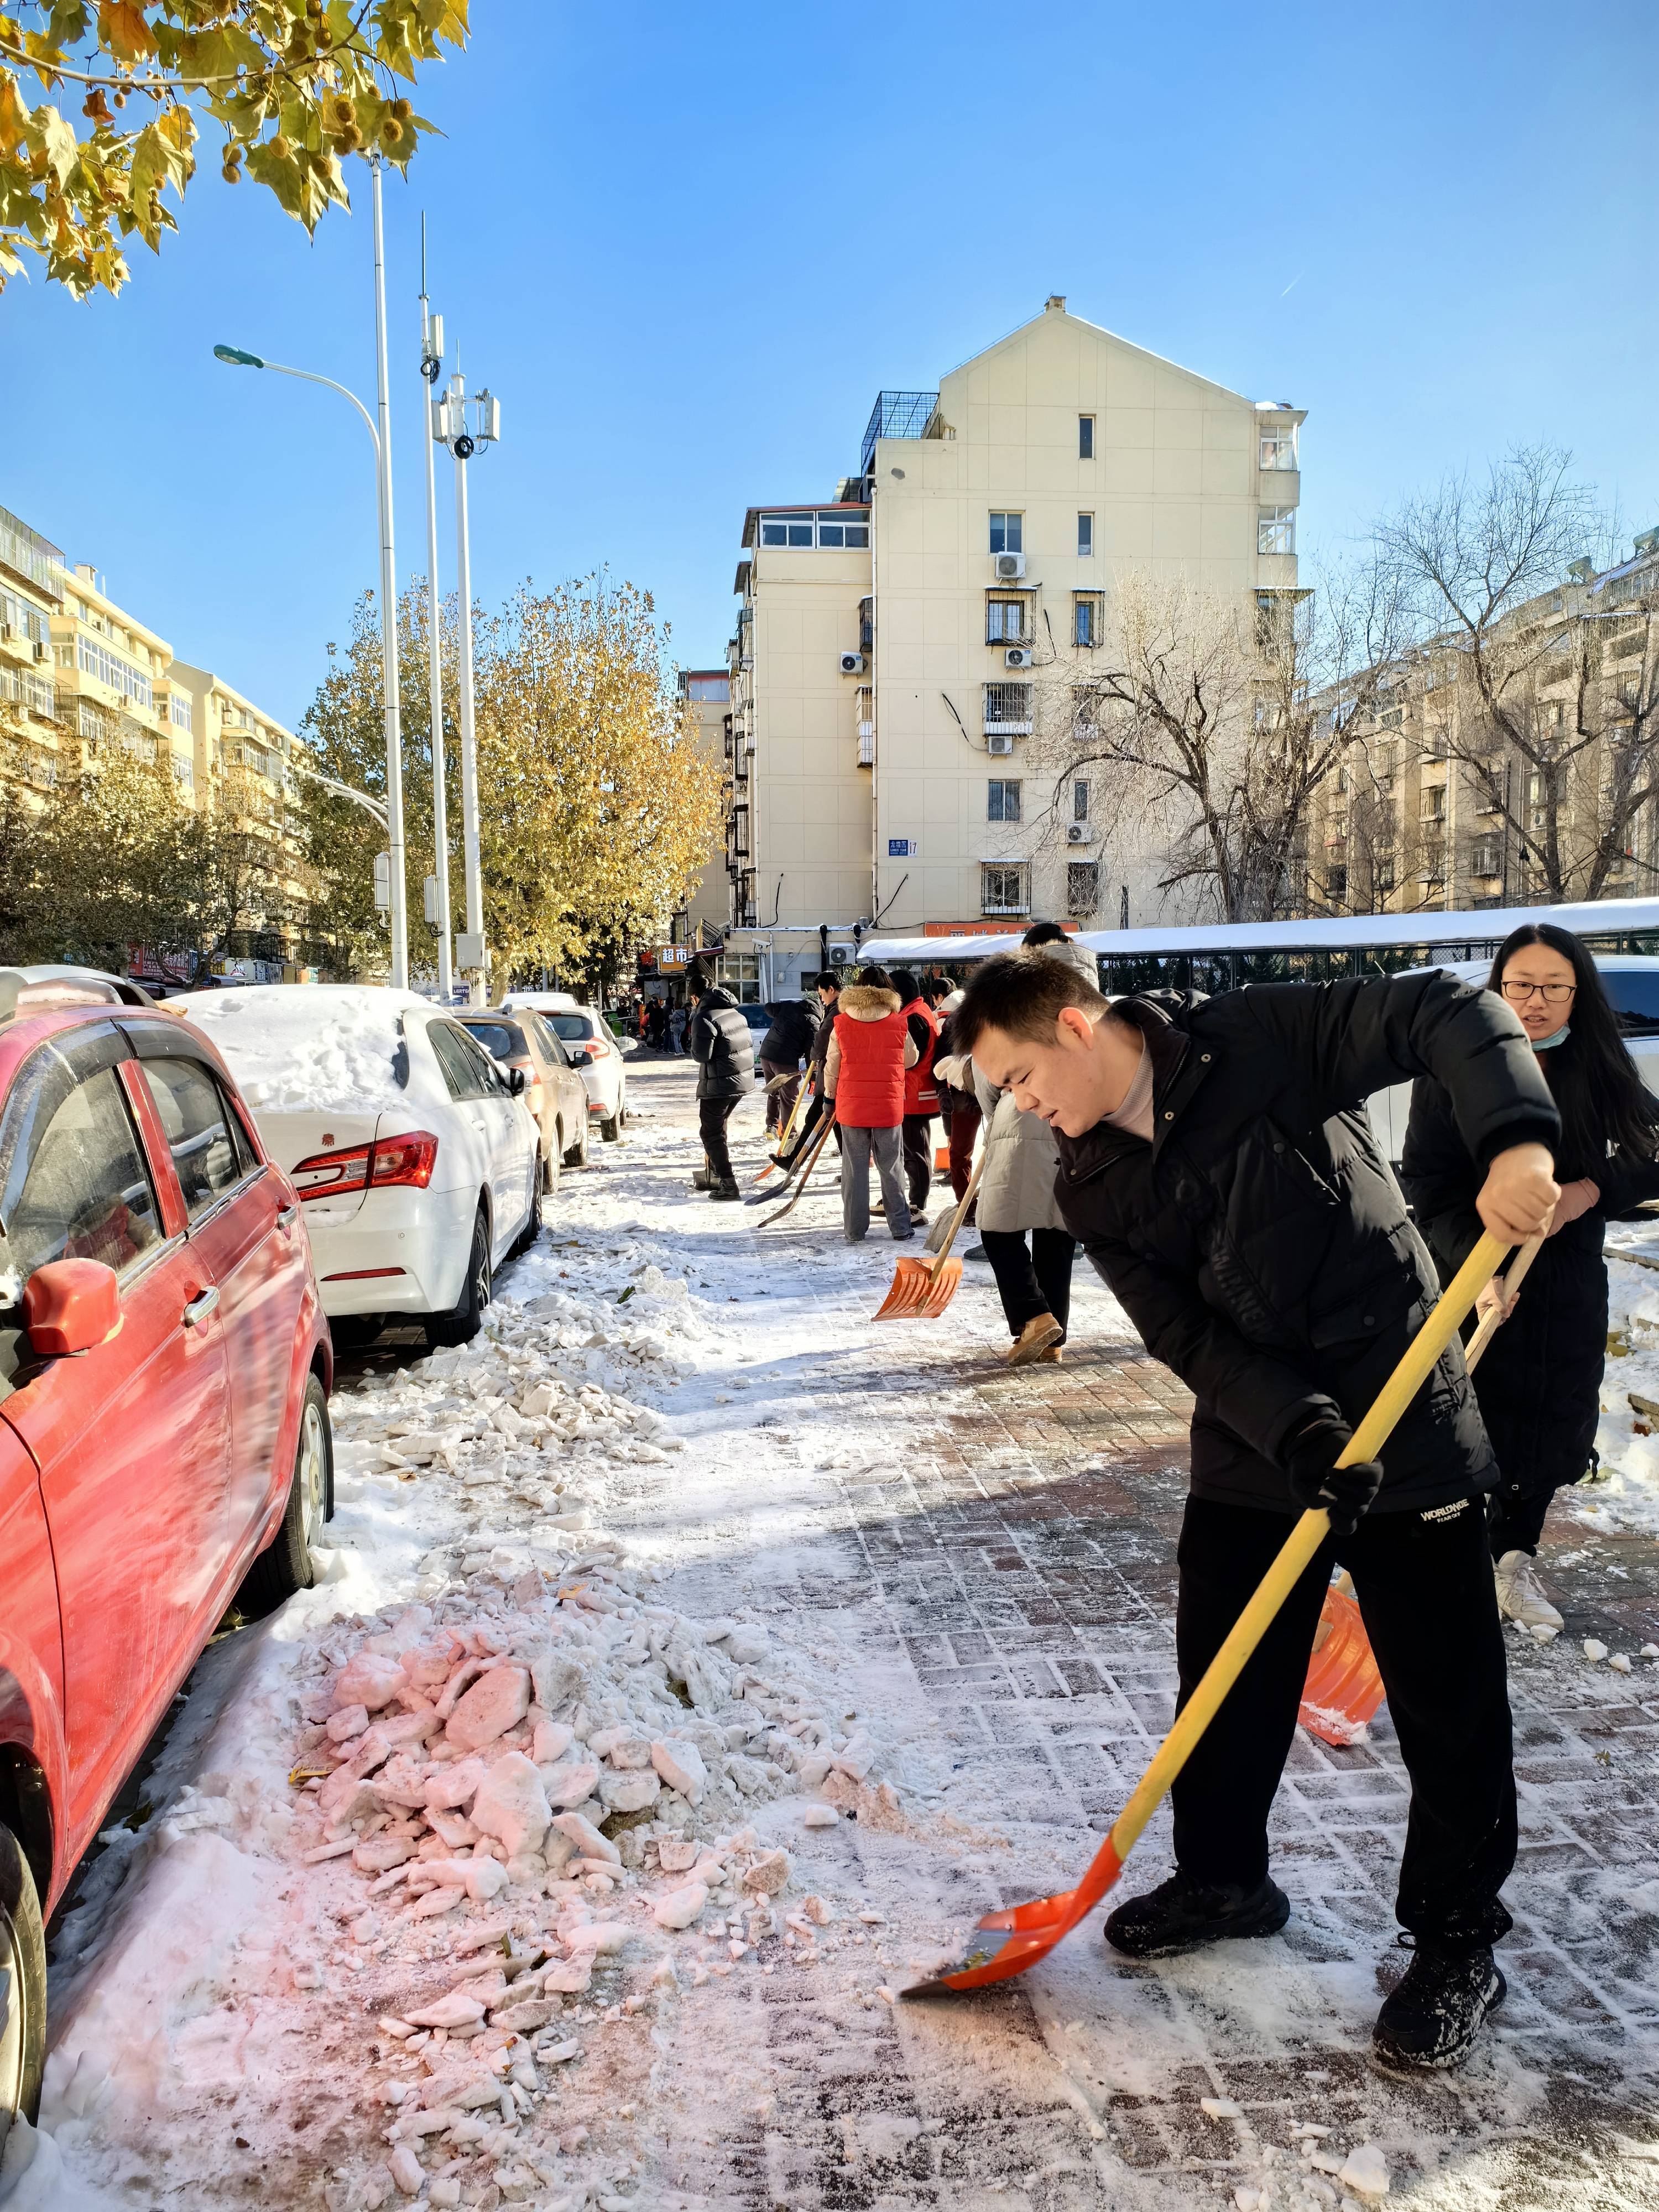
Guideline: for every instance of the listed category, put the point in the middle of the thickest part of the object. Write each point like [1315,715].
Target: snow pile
[1624,1495]
[308,1047]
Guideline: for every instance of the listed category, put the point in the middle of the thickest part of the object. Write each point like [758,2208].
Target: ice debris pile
[527,1781]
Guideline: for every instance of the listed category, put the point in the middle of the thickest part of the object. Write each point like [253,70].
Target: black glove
[1316,1481]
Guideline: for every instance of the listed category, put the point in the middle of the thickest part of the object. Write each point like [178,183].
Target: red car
[165,1368]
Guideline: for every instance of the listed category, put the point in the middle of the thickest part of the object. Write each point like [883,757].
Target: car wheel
[610,1127]
[285,1565]
[23,1989]
[463,1320]
[553,1161]
[533,1227]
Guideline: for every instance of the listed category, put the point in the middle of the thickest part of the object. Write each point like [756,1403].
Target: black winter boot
[718,1190]
[1434,2016]
[1183,1915]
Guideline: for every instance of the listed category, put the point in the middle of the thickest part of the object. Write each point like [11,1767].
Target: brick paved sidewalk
[1003,1561]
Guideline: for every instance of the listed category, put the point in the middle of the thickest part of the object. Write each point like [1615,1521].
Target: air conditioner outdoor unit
[843,956]
[1076,833]
[40,650]
[1017,656]
[999,745]
[852,664]
[1009,566]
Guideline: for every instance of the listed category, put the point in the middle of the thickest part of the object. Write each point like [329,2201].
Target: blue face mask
[1549,1043]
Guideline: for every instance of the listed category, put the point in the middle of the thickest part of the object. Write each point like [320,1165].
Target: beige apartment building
[1429,809]
[898,645]
[707,693]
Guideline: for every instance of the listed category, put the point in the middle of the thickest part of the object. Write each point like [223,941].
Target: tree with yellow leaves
[295,86]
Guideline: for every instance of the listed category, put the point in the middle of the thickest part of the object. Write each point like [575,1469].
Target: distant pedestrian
[722,1044]
[870,1049]
[921,1094]
[783,1047]
[677,1021]
[1540,1381]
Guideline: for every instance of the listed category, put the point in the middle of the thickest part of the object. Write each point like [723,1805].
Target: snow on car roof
[296,1047]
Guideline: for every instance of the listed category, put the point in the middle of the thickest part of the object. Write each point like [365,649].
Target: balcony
[867,747]
[1008,710]
[896,415]
[38,693]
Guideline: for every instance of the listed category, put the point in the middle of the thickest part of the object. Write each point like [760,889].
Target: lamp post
[432,354]
[382,437]
[464,439]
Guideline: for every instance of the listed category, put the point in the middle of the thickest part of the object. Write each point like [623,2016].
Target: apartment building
[1430,807]
[31,594]
[707,693]
[898,644]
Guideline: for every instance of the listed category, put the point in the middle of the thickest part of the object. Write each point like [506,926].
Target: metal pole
[468,744]
[394,757]
[434,676]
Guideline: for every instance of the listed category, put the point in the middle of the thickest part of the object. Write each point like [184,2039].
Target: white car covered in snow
[586,1035]
[417,1164]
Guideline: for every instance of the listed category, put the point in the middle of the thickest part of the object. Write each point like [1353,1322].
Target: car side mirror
[515,1082]
[70,1306]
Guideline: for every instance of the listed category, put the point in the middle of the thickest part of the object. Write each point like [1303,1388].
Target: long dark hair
[1592,1076]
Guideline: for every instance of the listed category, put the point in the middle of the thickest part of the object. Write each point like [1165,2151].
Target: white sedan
[586,1035]
[417,1164]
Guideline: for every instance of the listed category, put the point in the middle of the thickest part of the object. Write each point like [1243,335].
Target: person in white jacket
[1028,1247]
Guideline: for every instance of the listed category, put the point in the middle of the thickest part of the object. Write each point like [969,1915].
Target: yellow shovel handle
[1304,1540]
[968,1196]
[1512,1282]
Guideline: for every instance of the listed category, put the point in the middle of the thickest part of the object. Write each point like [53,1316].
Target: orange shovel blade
[913,1282]
[946,1275]
[1344,1688]
[941,1159]
[1032,1930]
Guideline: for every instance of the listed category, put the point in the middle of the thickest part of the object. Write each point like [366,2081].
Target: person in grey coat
[1016,1195]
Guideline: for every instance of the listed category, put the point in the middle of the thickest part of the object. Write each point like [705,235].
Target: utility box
[469,951]
[432,900]
[383,881]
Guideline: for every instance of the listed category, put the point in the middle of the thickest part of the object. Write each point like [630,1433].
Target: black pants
[1515,1522]
[919,1159]
[712,1114]
[1425,1588]
[1033,1282]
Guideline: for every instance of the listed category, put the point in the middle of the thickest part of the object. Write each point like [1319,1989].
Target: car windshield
[502,1038]
[573,1027]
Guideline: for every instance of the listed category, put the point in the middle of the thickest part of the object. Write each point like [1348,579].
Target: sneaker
[1052,1357]
[1434,2016]
[1034,1339]
[1183,1915]
[1520,1599]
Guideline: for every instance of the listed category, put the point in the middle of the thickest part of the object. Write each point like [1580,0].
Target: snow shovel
[1033,1930]
[778,1082]
[1343,1689]
[812,1162]
[923,1288]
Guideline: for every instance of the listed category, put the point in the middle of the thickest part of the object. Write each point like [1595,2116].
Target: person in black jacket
[828,987]
[783,1047]
[721,1043]
[1216,1164]
[1540,1383]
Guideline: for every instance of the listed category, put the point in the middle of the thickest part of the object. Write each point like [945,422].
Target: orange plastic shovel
[923,1288]
[1343,1689]
[1032,1930]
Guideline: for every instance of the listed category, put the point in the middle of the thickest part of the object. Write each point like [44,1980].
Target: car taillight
[408,1160]
[533,1097]
[331,1175]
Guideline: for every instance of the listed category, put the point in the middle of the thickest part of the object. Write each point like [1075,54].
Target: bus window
[1635,995]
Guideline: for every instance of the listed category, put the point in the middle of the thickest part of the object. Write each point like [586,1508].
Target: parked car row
[197,1203]
[592,1048]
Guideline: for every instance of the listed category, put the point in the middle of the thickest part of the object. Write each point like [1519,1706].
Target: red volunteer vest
[920,1092]
[870,1089]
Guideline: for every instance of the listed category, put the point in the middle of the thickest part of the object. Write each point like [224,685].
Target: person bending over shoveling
[1217,1165]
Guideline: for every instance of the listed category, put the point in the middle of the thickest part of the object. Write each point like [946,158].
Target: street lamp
[464,434]
[236,357]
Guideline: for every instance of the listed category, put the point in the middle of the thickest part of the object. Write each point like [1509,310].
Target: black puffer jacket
[723,1045]
[789,1040]
[1540,1383]
[1261,1245]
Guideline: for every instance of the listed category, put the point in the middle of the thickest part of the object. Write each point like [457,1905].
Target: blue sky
[688,244]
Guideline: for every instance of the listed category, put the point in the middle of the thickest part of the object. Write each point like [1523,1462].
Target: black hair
[696,980]
[876,978]
[1592,1077]
[935,987]
[1044,932]
[1023,994]
[905,985]
[829,980]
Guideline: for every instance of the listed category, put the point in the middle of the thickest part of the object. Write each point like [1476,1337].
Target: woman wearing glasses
[1540,1381]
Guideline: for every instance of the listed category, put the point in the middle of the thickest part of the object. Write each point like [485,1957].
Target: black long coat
[1539,1382]
[1259,1244]
[722,1043]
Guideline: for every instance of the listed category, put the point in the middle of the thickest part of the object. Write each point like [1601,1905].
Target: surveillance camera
[464,448]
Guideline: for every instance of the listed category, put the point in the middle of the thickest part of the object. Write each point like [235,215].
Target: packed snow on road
[549,1852]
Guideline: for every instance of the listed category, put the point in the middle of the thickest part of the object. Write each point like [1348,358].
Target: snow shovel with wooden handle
[801,1097]
[1343,1689]
[923,1288]
[1032,1930]
[812,1162]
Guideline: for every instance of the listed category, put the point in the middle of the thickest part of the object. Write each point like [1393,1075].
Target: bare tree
[1552,682]
[1218,725]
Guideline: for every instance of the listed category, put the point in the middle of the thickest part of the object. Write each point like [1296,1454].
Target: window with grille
[1002,800]
[1336,882]
[1008,707]
[1080,801]
[1005,622]
[1002,888]
[1082,886]
[1085,619]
